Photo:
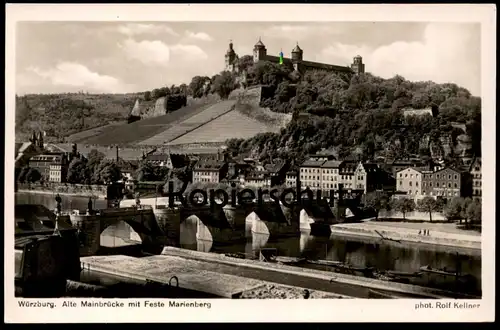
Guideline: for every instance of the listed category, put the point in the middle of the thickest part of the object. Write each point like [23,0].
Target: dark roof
[324,66]
[259,44]
[209,165]
[274,168]
[313,163]
[331,164]
[297,49]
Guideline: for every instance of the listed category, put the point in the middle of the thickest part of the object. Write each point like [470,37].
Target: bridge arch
[119,233]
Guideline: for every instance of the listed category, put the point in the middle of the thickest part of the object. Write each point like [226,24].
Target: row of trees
[457,208]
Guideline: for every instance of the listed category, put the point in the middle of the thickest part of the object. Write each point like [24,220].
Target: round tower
[259,51]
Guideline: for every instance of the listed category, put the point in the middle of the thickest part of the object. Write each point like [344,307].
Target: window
[411,175]
[449,176]
[430,184]
[400,175]
[456,177]
[456,186]
[416,184]
[449,185]
[410,183]
[406,175]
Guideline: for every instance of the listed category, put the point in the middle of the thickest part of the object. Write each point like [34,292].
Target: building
[300,65]
[398,165]
[212,172]
[346,174]
[445,183]
[330,175]
[291,179]
[296,60]
[432,111]
[258,179]
[52,166]
[368,177]
[277,172]
[475,173]
[409,181]
[310,174]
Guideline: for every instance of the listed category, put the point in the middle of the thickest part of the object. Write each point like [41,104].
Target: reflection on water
[361,252]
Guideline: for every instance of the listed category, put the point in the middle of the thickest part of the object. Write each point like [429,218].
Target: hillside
[364,116]
[61,115]
[245,120]
[133,133]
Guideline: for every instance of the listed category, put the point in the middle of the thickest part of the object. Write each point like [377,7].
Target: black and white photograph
[195,161]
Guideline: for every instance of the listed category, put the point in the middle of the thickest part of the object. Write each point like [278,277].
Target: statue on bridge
[89,206]
[58,205]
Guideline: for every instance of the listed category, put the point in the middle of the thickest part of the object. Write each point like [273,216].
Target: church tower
[40,140]
[297,56]
[231,59]
[259,51]
[357,66]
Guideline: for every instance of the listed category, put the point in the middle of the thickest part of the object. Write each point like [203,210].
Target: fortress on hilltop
[296,60]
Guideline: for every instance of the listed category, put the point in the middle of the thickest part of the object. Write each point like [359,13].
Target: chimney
[116,153]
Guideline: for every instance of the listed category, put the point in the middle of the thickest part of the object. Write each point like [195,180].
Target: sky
[105,57]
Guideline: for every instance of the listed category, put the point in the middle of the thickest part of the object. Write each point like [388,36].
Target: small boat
[329,263]
[444,271]
[396,273]
[237,255]
[290,261]
[342,267]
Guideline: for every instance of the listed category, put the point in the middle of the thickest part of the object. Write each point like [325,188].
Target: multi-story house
[346,174]
[330,175]
[212,172]
[258,179]
[368,177]
[475,173]
[445,183]
[409,181]
[291,179]
[310,174]
[52,166]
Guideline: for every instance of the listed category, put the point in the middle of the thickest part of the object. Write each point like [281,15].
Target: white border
[250,310]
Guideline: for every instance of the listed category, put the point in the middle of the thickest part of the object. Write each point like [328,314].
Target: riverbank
[439,234]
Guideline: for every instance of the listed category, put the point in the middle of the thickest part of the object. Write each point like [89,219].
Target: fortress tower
[231,59]
[297,56]
[259,52]
[357,66]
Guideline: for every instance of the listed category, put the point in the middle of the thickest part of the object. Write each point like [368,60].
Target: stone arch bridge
[159,225]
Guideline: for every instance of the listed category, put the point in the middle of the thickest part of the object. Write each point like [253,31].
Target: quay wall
[405,236]
[412,216]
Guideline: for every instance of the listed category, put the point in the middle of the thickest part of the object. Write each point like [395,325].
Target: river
[361,252]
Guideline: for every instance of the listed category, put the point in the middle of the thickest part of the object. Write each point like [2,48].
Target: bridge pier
[169,221]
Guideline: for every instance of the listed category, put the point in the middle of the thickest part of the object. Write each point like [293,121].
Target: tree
[245,62]
[224,84]
[94,159]
[33,175]
[454,209]
[23,173]
[146,172]
[474,212]
[376,201]
[108,172]
[147,96]
[404,205]
[78,171]
[429,205]
[197,85]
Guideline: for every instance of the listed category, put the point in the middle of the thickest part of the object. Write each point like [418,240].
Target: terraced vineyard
[131,134]
[84,135]
[231,125]
[214,112]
